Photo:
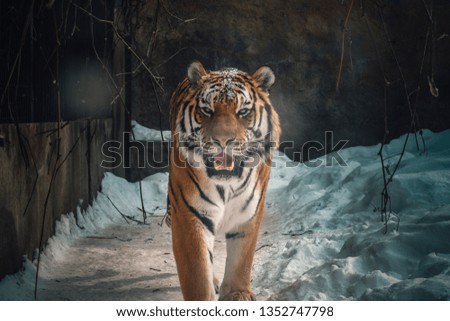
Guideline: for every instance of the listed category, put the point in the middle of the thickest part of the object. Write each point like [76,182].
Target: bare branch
[262,246]
[176,17]
[127,45]
[343,45]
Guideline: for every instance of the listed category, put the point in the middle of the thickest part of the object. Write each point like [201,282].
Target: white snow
[322,237]
[338,249]
[143,133]
[116,193]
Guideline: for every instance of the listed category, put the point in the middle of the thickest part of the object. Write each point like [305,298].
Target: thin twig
[50,132]
[298,234]
[176,17]
[127,45]
[385,208]
[342,46]
[262,246]
[153,269]
[108,238]
[44,216]
[126,217]
[397,63]
[430,17]
[172,56]
[35,179]
[150,213]
[19,52]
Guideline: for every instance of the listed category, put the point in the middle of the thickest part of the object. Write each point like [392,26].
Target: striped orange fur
[224,133]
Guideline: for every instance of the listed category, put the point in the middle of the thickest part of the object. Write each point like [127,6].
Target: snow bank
[330,243]
[117,195]
[144,133]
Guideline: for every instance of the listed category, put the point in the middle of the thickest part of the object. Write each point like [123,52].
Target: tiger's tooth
[219,166]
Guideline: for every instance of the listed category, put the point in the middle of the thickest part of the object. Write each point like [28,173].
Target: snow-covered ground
[338,249]
[321,239]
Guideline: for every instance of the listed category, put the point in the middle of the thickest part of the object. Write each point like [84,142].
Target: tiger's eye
[206,111]
[243,112]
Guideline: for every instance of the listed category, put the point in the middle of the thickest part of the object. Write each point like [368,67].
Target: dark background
[49,69]
[302,41]
[391,50]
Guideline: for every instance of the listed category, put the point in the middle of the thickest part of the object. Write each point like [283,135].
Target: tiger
[224,134]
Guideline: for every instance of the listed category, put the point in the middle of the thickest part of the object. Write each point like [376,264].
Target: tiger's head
[225,120]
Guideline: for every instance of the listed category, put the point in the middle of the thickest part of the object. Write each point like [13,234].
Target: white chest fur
[236,201]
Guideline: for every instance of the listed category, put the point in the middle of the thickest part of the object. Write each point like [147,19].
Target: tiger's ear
[195,72]
[265,77]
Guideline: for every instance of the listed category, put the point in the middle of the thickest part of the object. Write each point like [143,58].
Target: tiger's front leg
[241,245]
[191,243]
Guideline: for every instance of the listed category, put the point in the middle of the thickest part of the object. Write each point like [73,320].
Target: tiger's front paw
[239,296]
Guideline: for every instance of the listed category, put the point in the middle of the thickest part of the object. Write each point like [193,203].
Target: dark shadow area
[10,257]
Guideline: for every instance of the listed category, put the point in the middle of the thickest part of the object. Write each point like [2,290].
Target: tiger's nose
[223,140]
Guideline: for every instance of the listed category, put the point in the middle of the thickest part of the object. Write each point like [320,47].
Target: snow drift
[335,246]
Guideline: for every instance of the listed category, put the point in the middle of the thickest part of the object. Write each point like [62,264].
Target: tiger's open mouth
[223,165]
[230,162]
[223,162]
